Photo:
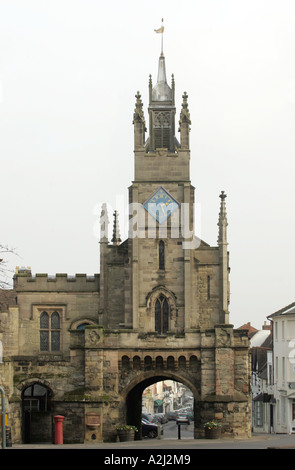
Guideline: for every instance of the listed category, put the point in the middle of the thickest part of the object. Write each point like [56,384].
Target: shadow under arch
[132,394]
[36,412]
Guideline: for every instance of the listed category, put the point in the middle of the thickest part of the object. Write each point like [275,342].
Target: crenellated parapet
[24,281]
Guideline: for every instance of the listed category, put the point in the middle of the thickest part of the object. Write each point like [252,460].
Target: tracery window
[49,331]
[161,315]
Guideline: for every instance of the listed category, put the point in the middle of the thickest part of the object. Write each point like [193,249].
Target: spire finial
[185,115]
[116,233]
[222,222]
[104,222]
[138,115]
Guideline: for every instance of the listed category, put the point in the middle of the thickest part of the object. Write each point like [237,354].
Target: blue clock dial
[161,205]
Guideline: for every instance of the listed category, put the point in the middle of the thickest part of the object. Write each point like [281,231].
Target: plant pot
[213,433]
[126,435]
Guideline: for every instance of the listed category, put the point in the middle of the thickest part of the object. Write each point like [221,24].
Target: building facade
[262,380]
[283,388]
[86,347]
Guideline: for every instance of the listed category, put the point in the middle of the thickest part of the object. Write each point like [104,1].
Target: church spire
[161,92]
[161,109]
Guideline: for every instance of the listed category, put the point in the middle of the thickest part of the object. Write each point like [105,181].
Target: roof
[259,338]
[288,310]
[251,329]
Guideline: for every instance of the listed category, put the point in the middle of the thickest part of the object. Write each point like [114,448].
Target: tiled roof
[251,329]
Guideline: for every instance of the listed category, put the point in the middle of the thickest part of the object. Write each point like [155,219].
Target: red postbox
[58,432]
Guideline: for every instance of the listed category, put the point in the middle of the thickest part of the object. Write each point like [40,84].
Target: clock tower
[163,279]
[164,259]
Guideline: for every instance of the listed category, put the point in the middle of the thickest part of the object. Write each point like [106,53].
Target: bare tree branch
[5,273]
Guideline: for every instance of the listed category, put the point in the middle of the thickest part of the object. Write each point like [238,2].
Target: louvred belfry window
[162,130]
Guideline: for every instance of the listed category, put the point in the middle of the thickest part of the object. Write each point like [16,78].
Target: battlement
[25,281]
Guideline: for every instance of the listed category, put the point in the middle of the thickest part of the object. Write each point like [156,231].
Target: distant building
[261,377]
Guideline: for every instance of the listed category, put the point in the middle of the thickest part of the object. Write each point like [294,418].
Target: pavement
[257,441]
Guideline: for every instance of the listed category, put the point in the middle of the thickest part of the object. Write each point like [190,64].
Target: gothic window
[49,331]
[208,288]
[161,255]
[161,315]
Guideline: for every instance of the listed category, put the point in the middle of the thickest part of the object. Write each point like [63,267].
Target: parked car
[191,416]
[160,418]
[182,419]
[171,415]
[148,417]
[149,429]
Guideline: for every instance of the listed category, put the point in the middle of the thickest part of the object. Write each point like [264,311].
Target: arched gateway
[158,309]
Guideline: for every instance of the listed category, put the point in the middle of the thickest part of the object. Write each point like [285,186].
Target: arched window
[125,362]
[161,254]
[193,363]
[148,363]
[136,363]
[49,332]
[161,315]
[159,362]
[182,362]
[82,326]
[170,362]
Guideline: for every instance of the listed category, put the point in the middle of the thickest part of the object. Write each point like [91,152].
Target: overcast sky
[69,72]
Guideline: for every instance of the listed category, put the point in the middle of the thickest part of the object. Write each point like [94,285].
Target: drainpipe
[3,417]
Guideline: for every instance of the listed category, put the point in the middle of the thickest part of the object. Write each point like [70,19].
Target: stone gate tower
[86,347]
[164,291]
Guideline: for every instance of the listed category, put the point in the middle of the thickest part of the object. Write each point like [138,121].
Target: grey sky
[69,72]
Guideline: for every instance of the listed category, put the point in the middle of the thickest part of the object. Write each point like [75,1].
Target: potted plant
[126,432]
[212,429]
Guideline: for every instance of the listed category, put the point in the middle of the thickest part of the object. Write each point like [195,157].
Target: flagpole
[161,30]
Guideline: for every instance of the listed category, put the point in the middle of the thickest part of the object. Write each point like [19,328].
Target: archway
[36,410]
[133,411]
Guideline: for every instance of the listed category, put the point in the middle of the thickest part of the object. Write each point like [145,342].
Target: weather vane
[161,30]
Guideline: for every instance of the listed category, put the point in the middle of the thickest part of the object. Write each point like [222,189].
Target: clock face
[161,205]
